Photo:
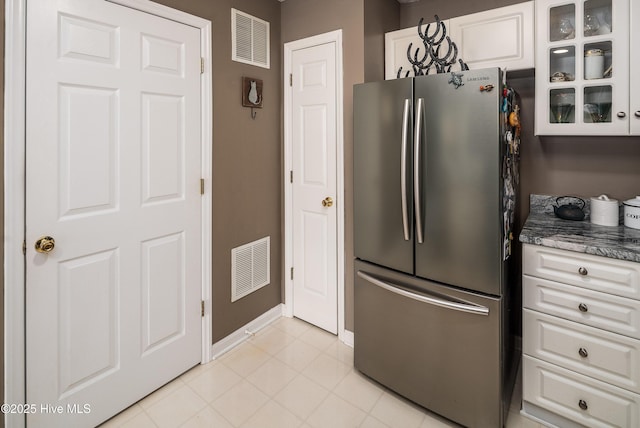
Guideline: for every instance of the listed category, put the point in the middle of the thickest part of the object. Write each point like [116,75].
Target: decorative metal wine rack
[432,59]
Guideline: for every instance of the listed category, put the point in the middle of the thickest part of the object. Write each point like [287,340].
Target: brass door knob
[45,244]
[327,202]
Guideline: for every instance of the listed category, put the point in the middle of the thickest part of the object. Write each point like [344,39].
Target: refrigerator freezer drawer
[437,346]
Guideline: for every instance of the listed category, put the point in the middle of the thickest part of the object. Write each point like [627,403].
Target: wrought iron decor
[432,59]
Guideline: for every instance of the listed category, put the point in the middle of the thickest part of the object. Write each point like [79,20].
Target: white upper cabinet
[500,37]
[583,84]
[395,51]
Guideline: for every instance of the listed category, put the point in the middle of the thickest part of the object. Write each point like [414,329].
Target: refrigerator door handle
[403,169]
[457,306]
[416,171]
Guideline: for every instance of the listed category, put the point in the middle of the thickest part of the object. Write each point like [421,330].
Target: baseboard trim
[245,332]
[348,338]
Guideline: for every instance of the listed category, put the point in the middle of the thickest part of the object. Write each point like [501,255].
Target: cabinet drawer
[613,313]
[597,353]
[603,274]
[563,392]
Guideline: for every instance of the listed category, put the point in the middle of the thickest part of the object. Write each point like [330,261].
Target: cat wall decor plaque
[251,92]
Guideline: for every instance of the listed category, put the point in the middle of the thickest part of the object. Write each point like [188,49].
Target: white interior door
[314,194]
[113,176]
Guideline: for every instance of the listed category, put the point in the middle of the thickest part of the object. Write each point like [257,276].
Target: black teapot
[569,211]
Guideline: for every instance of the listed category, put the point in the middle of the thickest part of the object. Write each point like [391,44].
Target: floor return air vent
[250,267]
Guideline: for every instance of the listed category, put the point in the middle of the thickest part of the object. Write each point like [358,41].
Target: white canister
[593,64]
[632,213]
[605,211]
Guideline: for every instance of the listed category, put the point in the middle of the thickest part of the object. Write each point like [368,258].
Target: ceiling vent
[249,39]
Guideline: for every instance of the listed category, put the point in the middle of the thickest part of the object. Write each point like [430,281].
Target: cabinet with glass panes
[583,67]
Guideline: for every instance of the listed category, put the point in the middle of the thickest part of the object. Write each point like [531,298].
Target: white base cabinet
[581,339]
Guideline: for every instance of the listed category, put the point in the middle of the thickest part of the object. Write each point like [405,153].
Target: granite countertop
[544,228]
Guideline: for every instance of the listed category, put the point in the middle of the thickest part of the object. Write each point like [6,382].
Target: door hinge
[290,79]
[202,186]
[201,65]
[292,273]
[291,176]
[24,247]
[202,308]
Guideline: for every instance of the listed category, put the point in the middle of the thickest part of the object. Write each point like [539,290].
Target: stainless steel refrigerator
[431,292]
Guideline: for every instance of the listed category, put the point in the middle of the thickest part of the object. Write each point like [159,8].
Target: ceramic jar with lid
[604,211]
[593,64]
[632,213]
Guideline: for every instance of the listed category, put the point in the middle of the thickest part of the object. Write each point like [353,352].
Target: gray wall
[247,180]
[380,17]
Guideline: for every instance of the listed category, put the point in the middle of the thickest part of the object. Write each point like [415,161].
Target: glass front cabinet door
[583,67]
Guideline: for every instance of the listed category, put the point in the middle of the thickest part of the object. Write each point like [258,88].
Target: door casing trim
[14,187]
[330,37]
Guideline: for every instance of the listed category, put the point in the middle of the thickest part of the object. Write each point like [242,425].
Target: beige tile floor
[290,374]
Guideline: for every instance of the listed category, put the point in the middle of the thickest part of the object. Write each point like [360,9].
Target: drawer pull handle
[583,307]
[583,271]
[583,353]
[583,405]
